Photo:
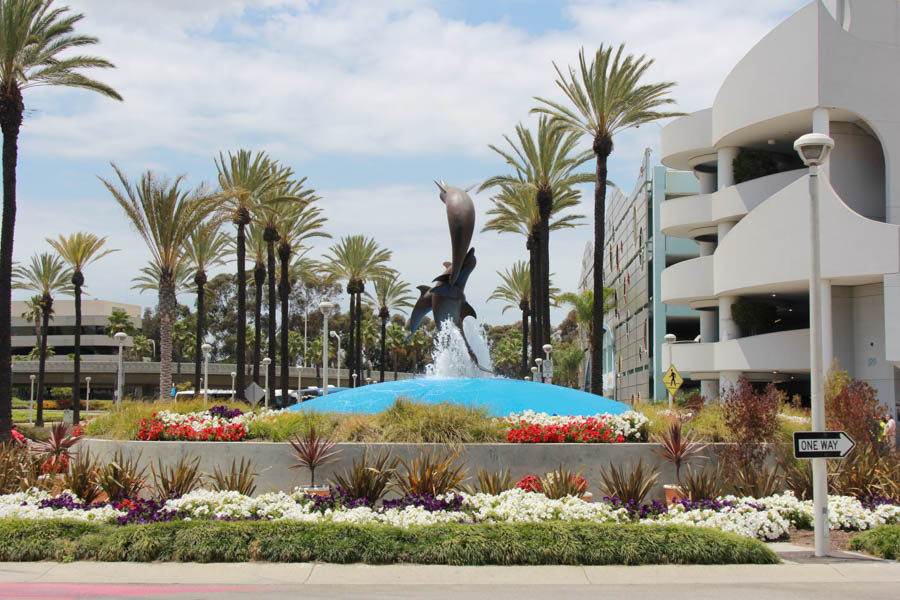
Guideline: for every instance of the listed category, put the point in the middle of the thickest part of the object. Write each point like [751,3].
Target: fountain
[460,371]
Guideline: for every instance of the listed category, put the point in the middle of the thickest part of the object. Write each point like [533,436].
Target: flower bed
[766,518]
[216,424]
[531,428]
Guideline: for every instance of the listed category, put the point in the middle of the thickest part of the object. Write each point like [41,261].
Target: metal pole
[671,397]
[205,379]
[120,379]
[325,354]
[305,318]
[233,375]
[816,380]
[87,401]
[31,403]
[266,361]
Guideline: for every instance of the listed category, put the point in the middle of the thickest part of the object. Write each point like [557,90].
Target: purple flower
[223,412]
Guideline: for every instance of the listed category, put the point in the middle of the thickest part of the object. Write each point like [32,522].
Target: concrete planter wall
[274,459]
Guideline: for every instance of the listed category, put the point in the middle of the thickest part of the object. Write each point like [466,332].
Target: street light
[305,318]
[670,339]
[233,375]
[31,402]
[540,372]
[87,402]
[206,348]
[339,338]
[548,367]
[120,378]
[814,149]
[353,375]
[266,362]
[326,308]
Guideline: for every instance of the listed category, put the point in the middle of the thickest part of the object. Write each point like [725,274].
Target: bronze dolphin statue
[461,221]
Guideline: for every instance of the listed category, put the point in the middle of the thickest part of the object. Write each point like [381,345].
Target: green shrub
[569,543]
[445,422]
[708,425]
[881,541]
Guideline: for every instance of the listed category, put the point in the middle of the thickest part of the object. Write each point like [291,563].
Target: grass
[568,543]
[881,541]
[21,416]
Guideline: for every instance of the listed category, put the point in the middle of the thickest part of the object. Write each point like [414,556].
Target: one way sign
[822,444]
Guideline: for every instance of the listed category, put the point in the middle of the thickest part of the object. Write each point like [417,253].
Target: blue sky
[371,101]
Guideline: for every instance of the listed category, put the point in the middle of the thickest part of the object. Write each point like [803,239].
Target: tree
[207,248]
[545,167]
[256,245]
[390,295]
[32,314]
[515,292]
[165,215]
[356,258]
[243,179]
[47,275]
[34,36]
[79,250]
[583,306]
[606,97]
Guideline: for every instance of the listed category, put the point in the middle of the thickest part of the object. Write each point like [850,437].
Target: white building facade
[832,70]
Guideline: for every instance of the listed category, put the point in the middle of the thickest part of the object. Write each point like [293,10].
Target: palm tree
[207,248]
[583,305]
[300,222]
[79,250]
[606,97]
[256,245]
[516,291]
[32,314]
[148,281]
[545,167]
[165,215]
[46,275]
[34,36]
[243,179]
[390,294]
[515,210]
[356,258]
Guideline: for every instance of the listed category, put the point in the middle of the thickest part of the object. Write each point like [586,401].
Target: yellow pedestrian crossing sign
[672,380]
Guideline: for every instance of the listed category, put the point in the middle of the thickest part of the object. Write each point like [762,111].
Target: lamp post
[670,339]
[305,318]
[120,379]
[266,362]
[233,375]
[31,402]
[814,149]
[326,308]
[354,376]
[206,348]
[87,401]
[534,375]
[539,374]
[548,367]
[339,338]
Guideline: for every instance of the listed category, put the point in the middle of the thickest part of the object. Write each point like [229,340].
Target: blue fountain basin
[501,397]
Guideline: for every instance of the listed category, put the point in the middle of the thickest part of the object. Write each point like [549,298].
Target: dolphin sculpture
[461,220]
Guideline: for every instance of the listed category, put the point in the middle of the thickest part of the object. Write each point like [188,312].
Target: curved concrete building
[833,71]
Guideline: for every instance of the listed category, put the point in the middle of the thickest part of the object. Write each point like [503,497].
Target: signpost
[254,393]
[672,380]
[822,444]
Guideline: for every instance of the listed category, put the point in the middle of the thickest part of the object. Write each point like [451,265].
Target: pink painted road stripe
[68,591]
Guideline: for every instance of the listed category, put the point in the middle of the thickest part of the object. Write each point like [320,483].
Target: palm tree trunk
[166,321]
[545,204]
[383,345]
[394,352]
[259,277]
[524,339]
[285,294]
[273,309]
[350,360]
[535,314]
[46,306]
[359,346]
[602,149]
[241,357]
[77,279]
[11,109]
[200,280]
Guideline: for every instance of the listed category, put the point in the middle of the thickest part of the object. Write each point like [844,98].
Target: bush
[752,421]
[567,543]
[447,423]
[852,406]
[881,541]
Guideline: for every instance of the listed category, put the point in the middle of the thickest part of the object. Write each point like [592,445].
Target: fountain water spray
[451,357]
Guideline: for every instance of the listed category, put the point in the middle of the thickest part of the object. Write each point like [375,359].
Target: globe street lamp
[266,362]
[534,374]
[87,401]
[326,308]
[31,402]
[548,363]
[120,379]
[540,373]
[339,338]
[207,349]
[354,376]
[233,375]
[814,149]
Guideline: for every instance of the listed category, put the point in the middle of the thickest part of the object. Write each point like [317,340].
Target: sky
[371,101]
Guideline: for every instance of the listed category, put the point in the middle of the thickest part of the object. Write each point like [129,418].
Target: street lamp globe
[813,148]
[670,338]
[547,349]
[267,361]
[206,349]
[326,306]
[120,337]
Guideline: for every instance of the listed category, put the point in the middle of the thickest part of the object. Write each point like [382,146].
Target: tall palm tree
[243,179]
[148,281]
[390,295]
[207,248]
[46,275]
[79,250]
[606,97]
[356,258]
[300,222]
[165,215]
[34,36]
[583,305]
[514,210]
[515,291]
[256,246]
[545,166]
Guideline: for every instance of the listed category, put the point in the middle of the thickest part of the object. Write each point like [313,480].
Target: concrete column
[709,390]
[727,380]
[708,182]
[709,326]
[827,326]
[707,248]
[728,329]
[725,174]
